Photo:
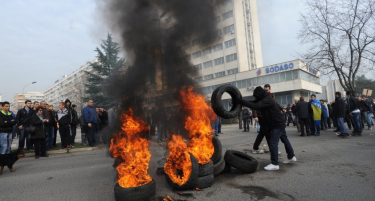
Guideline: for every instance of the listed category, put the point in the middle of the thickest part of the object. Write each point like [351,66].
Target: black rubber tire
[219,167]
[227,168]
[206,181]
[241,161]
[140,193]
[206,169]
[216,101]
[218,152]
[192,182]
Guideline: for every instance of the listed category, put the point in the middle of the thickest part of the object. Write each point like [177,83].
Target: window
[198,79]
[198,67]
[248,83]
[217,19]
[207,51]
[232,71]
[219,33]
[220,74]
[276,77]
[169,19]
[186,45]
[219,61]
[295,74]
[270,79]
[255,82]
[196,42]
[209,77]
[207,64]
[228,15]
[288,75]
[282,77]
[217,47]
[264,80]
[196,54]
[229,29]
[207,90]
[230,43]
[231,57]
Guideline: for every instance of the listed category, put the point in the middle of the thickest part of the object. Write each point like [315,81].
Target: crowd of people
[36,126]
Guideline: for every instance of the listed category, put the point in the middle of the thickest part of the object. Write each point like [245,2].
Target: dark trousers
[261,134]
[273,143]
[290,120]
[21,140]
[334,120]
[305,125]
[246,124]
[91,135]
[329,122]
[74,132]
[219,127]
[40,146]
[65,135]
[348,121]
[323,124]
[152,129]
[55,136]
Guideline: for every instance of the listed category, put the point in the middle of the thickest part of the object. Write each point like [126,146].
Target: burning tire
[145,192]
[206,169]
[219,167]
[216,157]
[205,182]
[192,182]
[218,107]
[241,161]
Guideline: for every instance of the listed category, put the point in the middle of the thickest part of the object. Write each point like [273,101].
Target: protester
[75,122]
[294,111]
[64,120]
[316,114]
[371,110]
[275,126]
[103,116]
[89,116]
[53,124]
[7,121]
[245,113]
[324,116]
[39,138]
[339,114]
[330,116]
[353,110]
[302,111]
[239,117]
[23,116]
[48,127]
[365,109]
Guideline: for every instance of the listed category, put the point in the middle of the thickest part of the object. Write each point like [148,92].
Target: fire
[198,122]
[132,151]
[178,166]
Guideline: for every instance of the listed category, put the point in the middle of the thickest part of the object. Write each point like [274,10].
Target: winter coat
[63,117]
[75,120]
[363,106]
[46,115]
[89,115]
[245,113]
[53,121]
[352,104]
[339,108]
[302,109]
[40,127]
[268,107]
[104,118]
[23,117]
[8,126]
[370,104]
[294,111]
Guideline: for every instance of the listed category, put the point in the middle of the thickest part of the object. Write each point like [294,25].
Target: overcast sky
[41,40]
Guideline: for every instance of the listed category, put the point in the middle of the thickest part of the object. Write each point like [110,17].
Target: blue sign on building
[275,69]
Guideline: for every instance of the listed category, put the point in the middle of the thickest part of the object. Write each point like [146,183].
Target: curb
[63,151]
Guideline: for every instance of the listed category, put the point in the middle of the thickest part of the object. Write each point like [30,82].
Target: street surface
[328,168]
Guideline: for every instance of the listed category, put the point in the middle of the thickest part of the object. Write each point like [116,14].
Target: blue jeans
[159,126]
[258,126]
[21,141]
[341,126]
[5,143]
[370,118]
[215,126]
[50,137]
[356,122]
[273,142]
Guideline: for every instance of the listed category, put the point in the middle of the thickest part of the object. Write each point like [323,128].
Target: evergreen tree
[108,63]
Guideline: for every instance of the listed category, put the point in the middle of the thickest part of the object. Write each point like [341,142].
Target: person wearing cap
[275,130]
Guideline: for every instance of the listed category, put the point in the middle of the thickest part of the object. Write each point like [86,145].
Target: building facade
[19,100]
[70,87]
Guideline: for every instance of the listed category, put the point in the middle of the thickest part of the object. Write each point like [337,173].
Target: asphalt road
[328,168]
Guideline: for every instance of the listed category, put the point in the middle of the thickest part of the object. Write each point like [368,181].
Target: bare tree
[342,34]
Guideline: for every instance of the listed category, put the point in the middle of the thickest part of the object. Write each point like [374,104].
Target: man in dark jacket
[353,109]
[6,127]
[294,111]
[365,109]
[302,111]
[245,113]
[48,127]
[339,114]
[75,122]
[89,115]
[370,104]
[275,126]
[23,116]
[64,120]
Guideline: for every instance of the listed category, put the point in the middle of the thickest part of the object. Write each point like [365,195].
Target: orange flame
[198,122]
[132,151]
[178,160]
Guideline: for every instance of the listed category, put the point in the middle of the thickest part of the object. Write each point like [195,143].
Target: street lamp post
[23,95]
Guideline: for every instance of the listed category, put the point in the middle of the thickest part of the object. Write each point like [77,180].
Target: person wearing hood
[275,130]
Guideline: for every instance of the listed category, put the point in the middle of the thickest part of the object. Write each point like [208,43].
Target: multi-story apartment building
[18,99]
[70,87]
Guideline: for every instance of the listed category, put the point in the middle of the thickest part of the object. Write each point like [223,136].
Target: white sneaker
[292,160]
[271,167]
[279,152]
